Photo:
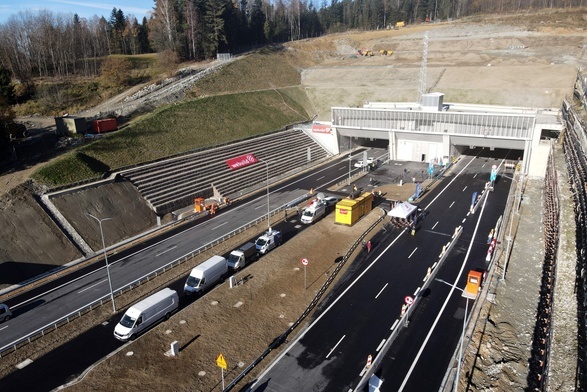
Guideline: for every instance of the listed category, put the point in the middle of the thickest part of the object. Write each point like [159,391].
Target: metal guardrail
[281,338]
[402,321]
[54,325]
[492,280]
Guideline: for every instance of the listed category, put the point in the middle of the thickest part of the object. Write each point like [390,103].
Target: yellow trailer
[348,211]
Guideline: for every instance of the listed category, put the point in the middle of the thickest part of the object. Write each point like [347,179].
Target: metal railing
[54,325]
[281,338]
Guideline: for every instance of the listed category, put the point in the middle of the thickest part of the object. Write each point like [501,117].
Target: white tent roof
[402,210]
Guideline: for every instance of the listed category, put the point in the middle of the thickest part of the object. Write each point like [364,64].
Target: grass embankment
[270,98]
[267,69]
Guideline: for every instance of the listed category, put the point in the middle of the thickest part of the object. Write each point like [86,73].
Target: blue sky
[85,9]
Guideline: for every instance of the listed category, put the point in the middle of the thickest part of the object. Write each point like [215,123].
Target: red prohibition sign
[409,300]
[305,261]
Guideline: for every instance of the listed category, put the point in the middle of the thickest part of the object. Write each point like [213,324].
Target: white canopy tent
[402,210]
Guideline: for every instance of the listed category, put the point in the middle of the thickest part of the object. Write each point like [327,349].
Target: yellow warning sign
[221,362]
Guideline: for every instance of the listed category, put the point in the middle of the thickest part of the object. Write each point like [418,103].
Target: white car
[361,163]
[330,200]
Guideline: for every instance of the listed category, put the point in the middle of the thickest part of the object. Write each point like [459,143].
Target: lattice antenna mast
[422,88]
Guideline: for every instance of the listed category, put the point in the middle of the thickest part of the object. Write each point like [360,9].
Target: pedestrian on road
[369,246]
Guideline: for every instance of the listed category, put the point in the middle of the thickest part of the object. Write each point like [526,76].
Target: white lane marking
[464,220]
[448,185]
[417,291]
[297,339]
[380,291]
[333,348]
[318,179]
[167,250]
[431,330]
[451,204]
[24,364]
[439,233]
[394,324]
[196,227]
[464,188]
[220,225]
[414,251]
[434,225]
[4,327]
[380,345]
[89,287]
[475,175]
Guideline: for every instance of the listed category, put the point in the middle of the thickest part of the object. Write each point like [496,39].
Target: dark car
[5,312]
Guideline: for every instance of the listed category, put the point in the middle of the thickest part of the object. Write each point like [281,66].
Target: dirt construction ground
[469,62]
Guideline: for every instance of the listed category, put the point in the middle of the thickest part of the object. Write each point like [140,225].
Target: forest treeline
[45,44]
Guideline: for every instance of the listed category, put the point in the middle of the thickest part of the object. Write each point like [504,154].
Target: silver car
[5,312]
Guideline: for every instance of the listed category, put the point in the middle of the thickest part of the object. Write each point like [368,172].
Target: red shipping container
[105,125]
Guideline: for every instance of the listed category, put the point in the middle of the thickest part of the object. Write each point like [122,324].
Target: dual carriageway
[331,354]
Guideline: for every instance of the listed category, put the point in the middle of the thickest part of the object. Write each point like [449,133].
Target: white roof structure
[402,210]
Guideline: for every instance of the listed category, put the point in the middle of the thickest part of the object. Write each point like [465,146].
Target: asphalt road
[46,304]
[42,306]
[38,308]
[331,354]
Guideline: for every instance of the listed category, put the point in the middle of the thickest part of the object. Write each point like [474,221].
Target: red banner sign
[342,211]
[242,161]
[318,128]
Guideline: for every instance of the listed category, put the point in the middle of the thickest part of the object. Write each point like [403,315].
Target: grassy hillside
[179,128]
[266,69]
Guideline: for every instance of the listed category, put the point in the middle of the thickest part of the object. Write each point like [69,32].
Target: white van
[206,275]
[146,313]
[269,240]
[314,212]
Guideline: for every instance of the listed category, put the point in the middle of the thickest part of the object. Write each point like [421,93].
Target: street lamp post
[350,158]
[462,333]
[105,257]
[268,210]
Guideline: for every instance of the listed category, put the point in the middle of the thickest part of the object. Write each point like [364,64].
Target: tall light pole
[350,157]
[462,333]
[105,257]
[268,210]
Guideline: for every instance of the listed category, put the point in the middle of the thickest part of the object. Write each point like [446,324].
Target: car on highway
[366,163]
[5,312]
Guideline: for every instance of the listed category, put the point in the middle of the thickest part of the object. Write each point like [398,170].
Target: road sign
[221,362]
[409,300]
[305,261]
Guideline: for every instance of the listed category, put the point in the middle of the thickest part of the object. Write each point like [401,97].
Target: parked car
[5,312]
[331,201]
